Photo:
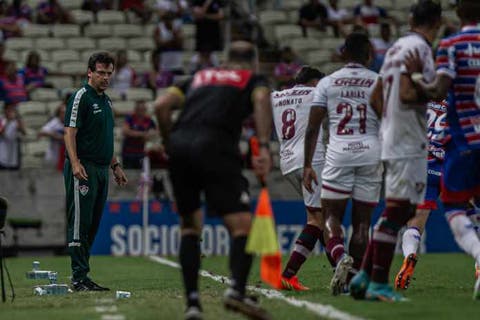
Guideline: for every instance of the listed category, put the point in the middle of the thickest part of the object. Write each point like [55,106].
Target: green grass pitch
[442,290]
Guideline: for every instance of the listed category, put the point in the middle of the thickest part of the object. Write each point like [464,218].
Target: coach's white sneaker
[339,279]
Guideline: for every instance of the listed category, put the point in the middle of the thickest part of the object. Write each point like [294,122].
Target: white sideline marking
[113,317]
[319,309]
[105,309]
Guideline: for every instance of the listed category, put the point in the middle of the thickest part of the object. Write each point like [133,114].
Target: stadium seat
[35,30]
[73,67]
[82,16]
[348,4]
[80,43]
[110,17]
[127,30]
[189,44]
[49,43]
[98,31]
[331,43]
[330,67]
[37,148]
[136,94]
[66,30]
[287,31]
[114,95]
[134,56]
[44,94]
[71,4]
[51,66]
[141,67]
[52,106]
[44,55]
[291,4]
[293,16]
[386,4]
[189,30]
[35,121]
[112,44]
[144,43]
[122,107]
[32,108]
[149,29]
[305,44]
[65,55]
[19,44]
[272,17]
[60,82]
[11,54]
[318,57]
[87,53]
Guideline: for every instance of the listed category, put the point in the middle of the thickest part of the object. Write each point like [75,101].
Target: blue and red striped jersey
[437,133]
[458,57]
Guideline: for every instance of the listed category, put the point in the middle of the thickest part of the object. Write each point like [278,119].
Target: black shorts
[214,168]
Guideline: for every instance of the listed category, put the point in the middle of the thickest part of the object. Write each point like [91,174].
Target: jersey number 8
[288,128]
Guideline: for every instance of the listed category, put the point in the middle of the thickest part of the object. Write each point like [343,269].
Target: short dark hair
[100,57]
[468,10]
[307,73]
[426,12]
[357,47]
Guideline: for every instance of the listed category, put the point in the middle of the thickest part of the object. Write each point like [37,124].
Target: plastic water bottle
[36,265]
[36,273]
[52,277]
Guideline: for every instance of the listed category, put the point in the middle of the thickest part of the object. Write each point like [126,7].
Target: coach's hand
[120,177]
[262,163]
[309,175]
[79,171]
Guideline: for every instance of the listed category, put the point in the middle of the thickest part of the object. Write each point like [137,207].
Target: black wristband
[115,165]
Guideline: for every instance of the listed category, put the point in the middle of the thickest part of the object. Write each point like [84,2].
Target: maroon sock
[303,246]
[385,239]
[322,242]
[336,248]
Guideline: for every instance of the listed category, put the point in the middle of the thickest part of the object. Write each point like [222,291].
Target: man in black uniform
[204,157]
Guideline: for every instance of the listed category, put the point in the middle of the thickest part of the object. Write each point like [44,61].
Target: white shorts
[295,177]
[406,179]
[362,183]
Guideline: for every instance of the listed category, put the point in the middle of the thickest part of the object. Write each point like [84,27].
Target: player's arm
[118,173]
[408,90]
[376,99]
[262,114]
[437,89]
[315,119]
[71,146]
[164,105]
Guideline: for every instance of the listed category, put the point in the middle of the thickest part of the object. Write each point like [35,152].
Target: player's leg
[337,185]
[226,192]
[473,213]
[186,187]
[313,231]
[80,203]
[404,186]
[461,182]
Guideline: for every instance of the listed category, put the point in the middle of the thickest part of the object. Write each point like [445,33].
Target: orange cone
[263,239]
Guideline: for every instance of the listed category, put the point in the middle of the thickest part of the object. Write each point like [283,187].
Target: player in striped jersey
[458,74]
[290,114]
[436,122]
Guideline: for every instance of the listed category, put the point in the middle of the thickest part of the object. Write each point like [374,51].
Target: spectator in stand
[97,5]
[169,41]
[208,15]
[124,76]
[313,15]
[11,128]
[368,14]
[8,25]
[137,129]
[54,129]
[338,18]
[157,78]
[19,10]
[12,86]
[177,8]
[51,12]
[33,73]
[381,45]
[203,60]
[286,69]
[138,7]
